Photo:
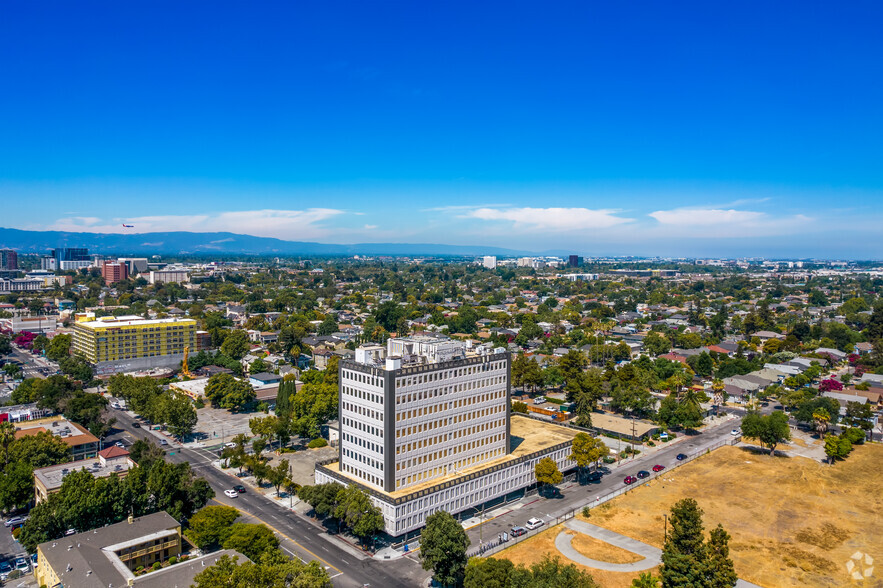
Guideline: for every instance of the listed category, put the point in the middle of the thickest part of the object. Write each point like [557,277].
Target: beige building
[83,444]
[113,460]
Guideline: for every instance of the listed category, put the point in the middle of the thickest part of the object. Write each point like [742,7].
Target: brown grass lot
[533,549]
[794,521]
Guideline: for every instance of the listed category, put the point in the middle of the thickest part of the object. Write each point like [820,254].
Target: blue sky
[676,128]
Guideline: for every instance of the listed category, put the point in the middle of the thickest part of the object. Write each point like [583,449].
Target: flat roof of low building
[71,433]
[620,425]
[527,436]
[52,476]
[128,321]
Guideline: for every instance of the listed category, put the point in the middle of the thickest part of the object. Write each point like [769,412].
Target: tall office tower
[71,258]
[574,261]
[489,261]
[8,259]
[425,410]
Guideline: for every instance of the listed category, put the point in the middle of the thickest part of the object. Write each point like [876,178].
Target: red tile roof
[113,451]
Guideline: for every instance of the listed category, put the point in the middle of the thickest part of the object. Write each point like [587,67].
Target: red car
[630,480]
[658,468]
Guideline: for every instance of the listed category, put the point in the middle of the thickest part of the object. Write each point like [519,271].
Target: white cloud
[282,224]
[370,227]
[557,219]
[706,216]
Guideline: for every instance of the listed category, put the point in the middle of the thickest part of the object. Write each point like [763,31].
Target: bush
[609,459]
[319,442]
[554,401]
[587,512]
[199,403]
[856,436]
[651,444]
[156,565]
[173,560]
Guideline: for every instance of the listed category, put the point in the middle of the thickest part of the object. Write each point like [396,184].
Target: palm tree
[719,393]
[821,417]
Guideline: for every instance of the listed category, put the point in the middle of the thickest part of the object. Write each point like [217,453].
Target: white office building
[425,425]
[489,261]
[169,275]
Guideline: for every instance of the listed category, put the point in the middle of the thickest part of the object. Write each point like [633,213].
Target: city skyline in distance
[602,130]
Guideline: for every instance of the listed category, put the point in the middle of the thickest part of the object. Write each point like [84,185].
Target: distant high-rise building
[71,258]
[574,261]
[137,265]
[8,259]
[114,271]
[489,261]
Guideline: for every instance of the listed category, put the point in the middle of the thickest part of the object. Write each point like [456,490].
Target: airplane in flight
[129,226]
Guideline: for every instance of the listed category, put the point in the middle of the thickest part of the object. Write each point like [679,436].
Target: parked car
[534,524]
[34,559]
[539,400]
[15,521]
[517,531]
[231,493]
[630,480]
[136,425]
[681,456]
[5,570]
[643,474]
[115,405]
[70,532]
[239,488]
[594,476]
[22,565]
[163,442]
[120,444]
[658,468]
[735,432]
[230,444]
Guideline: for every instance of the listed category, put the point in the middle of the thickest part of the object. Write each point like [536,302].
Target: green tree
[251,540]
[656,344]
[59,347]
[837,447]
[645,580]
[211,525]
[859,415]
[225,391]
[551,572]
[683,555]
[547,473]
[355,510]
[277,474]
[443,544]
[587,450]
[270,572]
[488,573]
[719,570]
[321,497]
[236,344]
[769,430]
[179,414]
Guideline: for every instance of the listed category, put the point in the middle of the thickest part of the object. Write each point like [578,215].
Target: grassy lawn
[793,521]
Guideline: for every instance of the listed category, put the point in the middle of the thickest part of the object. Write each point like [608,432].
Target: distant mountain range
[184,243]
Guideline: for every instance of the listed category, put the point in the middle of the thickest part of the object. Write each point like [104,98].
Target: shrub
[651,444]
[587,512]
[319,442]
[156,565]
[855,435]
[199,403]
[609,459]
[173,560]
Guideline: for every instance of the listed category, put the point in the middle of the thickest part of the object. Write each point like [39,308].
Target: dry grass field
[794,521]
[533,550]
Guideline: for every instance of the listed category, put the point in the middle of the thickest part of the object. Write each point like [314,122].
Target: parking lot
[10,549]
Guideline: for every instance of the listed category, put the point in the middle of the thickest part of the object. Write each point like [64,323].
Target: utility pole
[664,529]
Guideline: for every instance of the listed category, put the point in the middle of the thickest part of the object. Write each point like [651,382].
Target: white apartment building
[169,275]
[425,424]
[489,261]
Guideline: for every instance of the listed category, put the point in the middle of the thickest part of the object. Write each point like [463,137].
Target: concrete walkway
[651,554]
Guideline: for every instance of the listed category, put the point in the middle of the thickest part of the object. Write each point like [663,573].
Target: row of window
[448,374]
[449,421]
[357,393]
[377,432]
[438,439]
[442,470]
[371,479]
[363,378]
[367,412]
[421,395]
[375,447]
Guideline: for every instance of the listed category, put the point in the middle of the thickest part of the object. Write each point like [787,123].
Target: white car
[534,524]
[735,432]
[230,445]
[231,493]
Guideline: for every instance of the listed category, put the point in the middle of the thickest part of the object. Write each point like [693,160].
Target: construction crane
[184,370]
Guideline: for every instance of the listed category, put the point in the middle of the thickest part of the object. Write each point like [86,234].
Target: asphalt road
[301,537]
[577,496]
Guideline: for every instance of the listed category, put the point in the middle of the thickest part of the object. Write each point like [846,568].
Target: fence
[495,545]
